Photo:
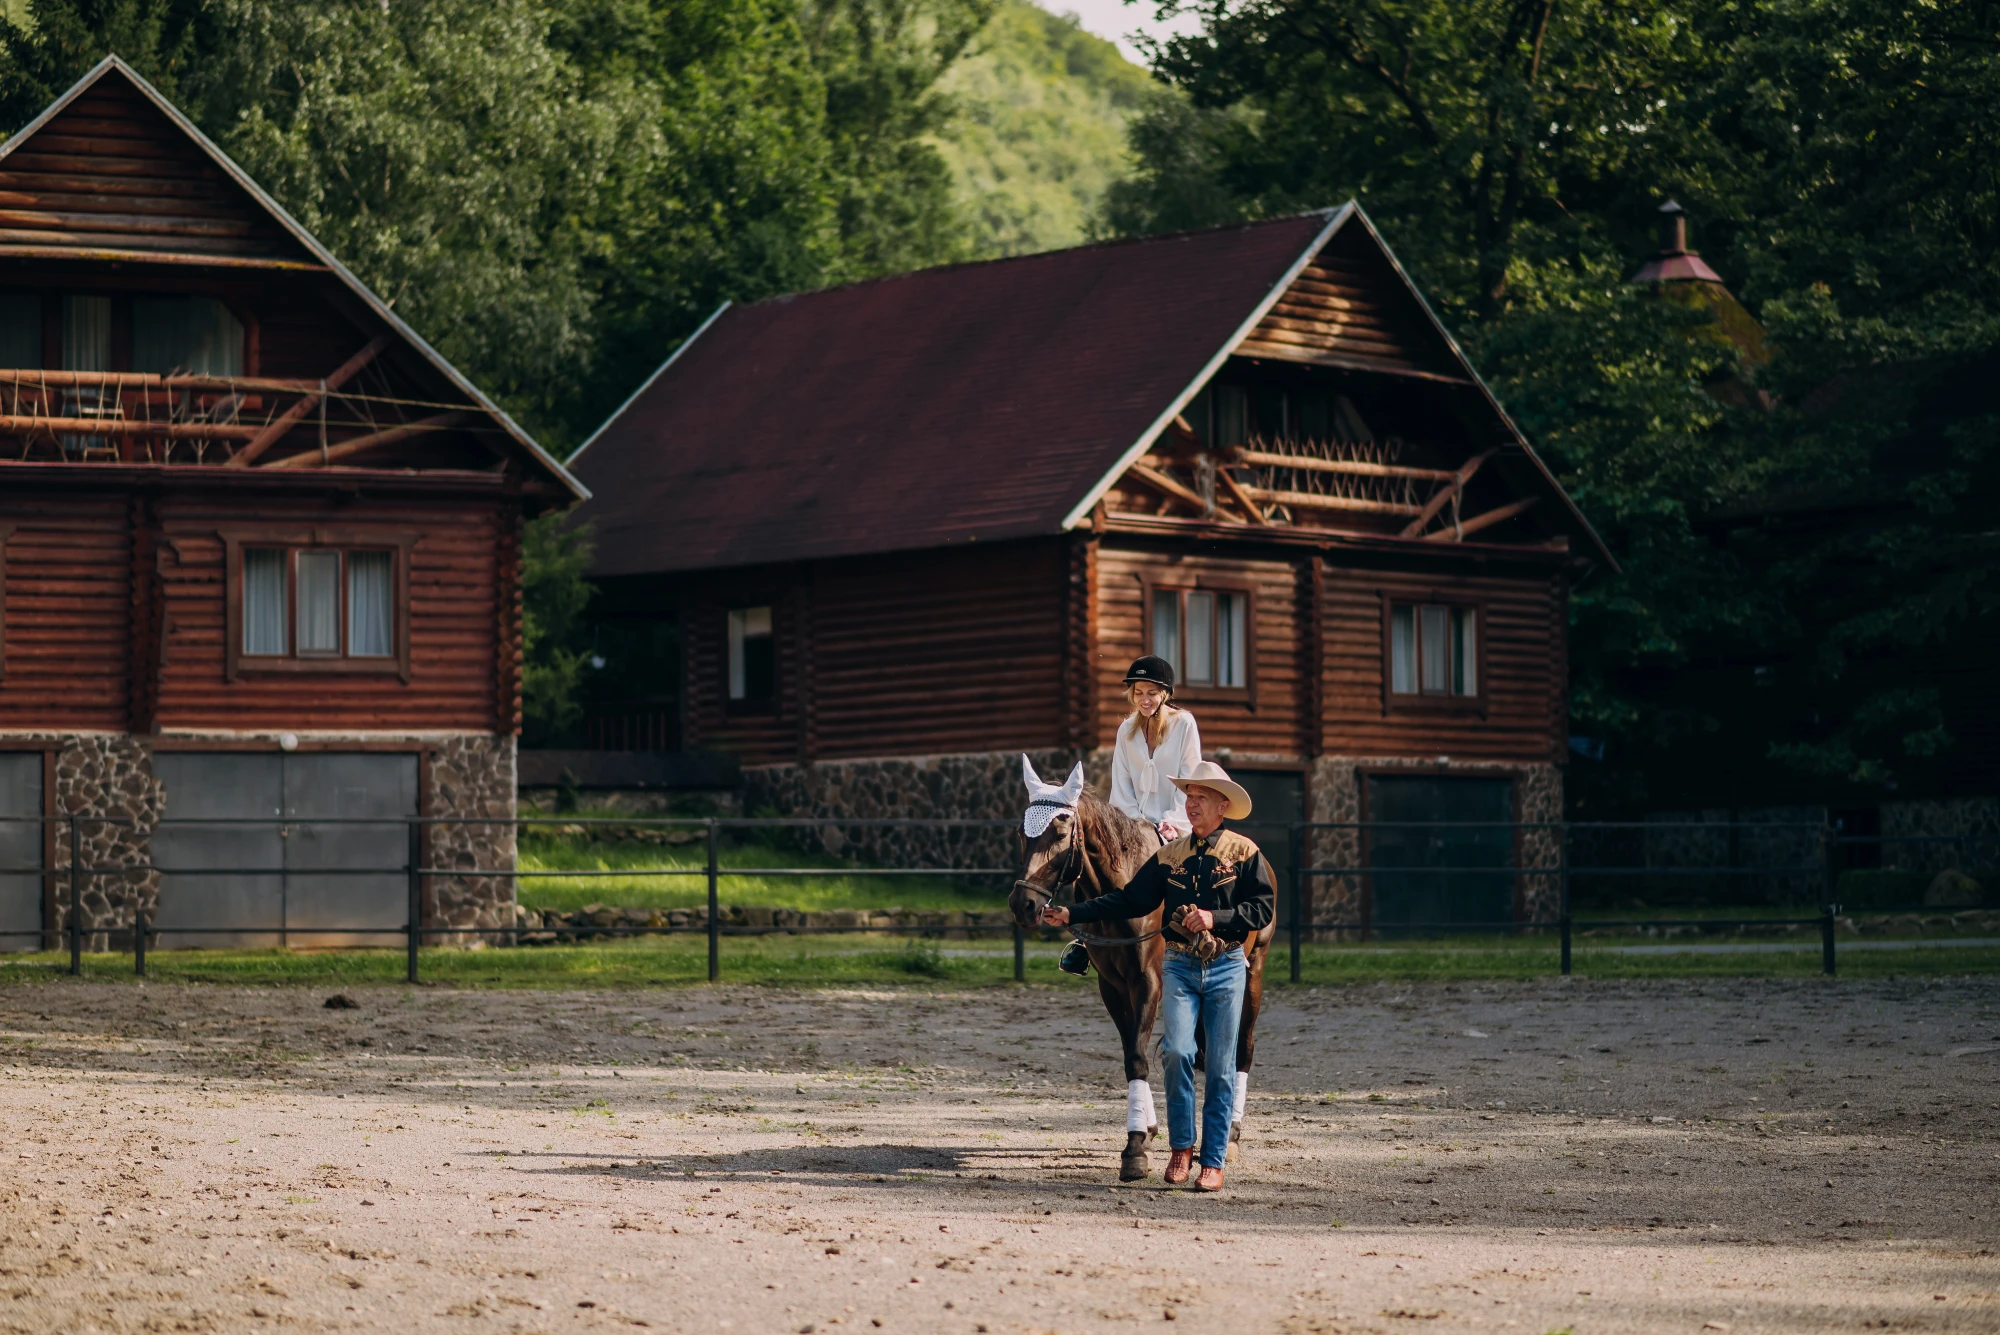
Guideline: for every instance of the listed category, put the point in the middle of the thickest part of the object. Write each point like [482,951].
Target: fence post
[1826,962]
[1298,892]
[139,943]
[75,898]
[1020,954]
[1563,892]
[714,911]
[416,894]
[1828,908]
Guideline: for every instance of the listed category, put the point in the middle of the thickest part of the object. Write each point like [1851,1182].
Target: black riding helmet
[1152,669]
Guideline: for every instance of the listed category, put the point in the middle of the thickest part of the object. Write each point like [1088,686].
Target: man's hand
[1055,915]
[1194,920]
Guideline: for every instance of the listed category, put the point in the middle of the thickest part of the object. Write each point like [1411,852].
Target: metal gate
[20,850]
[1277,802]
[303,844]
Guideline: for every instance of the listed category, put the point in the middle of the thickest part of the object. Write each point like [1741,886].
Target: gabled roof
[112,171]
[992,401]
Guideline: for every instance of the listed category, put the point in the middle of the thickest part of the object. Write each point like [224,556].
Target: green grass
[875,960]
[739,884]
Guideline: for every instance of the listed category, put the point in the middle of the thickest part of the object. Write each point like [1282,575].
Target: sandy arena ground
[1591,1157]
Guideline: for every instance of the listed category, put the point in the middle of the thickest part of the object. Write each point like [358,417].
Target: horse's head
[1052,839]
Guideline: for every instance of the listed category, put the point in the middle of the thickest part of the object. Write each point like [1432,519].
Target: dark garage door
[20,850]
[1428,867]
[1277,798]
[250,840]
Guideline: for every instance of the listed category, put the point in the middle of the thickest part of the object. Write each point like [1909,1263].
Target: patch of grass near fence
[873,960]
[553,851]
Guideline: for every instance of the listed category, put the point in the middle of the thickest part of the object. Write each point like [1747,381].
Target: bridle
[1075,869]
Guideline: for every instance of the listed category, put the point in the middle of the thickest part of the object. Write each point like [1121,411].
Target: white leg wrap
[1242,1092]
[1139,1106]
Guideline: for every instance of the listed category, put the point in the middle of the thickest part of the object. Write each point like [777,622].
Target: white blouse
[1139,785]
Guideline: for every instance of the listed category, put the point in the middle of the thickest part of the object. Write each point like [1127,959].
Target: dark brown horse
[1088,848]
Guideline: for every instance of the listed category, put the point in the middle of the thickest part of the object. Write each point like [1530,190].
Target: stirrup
[1075,959]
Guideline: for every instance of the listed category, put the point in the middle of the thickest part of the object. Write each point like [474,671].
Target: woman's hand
[1194,920]
[1055,915]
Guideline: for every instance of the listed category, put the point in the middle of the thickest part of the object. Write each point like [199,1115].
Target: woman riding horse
[1215,892]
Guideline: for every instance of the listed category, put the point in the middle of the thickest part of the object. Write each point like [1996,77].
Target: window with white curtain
[371,629]
[1433,649]
[753,658]
[319,603]
[265,582]
[1205,634]
[189,335]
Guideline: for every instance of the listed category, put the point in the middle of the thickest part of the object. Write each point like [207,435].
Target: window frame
[7,527]
[766,706]
[1152,584]
[1418,701]
[398,543]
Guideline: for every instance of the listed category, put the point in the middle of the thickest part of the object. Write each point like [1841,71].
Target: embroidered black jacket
[1224,873]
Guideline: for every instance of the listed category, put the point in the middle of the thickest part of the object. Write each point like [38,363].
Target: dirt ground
[1594,1157]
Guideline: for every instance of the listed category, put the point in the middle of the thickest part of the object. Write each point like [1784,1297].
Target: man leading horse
[1215,893]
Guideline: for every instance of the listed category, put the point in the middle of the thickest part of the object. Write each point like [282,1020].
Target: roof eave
[577,490]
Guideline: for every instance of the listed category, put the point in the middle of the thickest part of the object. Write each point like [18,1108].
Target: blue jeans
[1214,995]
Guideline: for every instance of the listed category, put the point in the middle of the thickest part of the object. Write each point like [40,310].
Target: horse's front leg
[1246,1035]
[1141,1122]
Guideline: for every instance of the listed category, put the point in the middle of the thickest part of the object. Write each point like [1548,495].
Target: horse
[1086,847]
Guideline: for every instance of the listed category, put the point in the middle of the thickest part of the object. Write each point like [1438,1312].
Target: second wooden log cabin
[909,529]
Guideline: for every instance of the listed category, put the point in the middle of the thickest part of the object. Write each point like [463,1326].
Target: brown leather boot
[1178,1164]
[1210,1180]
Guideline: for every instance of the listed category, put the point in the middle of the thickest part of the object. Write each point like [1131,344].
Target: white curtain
[193,335]
[1167,626]
[1465,636]
[319,602]
[1201,639]
[370,627]
[1232,637]
[86,333]
[1435,646]
[263,601]
[1403,649]
[746,624]
[20,331]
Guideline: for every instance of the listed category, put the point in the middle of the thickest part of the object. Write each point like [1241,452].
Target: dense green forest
[555,195]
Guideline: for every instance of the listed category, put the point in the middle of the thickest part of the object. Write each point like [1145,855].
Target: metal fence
[1369,868]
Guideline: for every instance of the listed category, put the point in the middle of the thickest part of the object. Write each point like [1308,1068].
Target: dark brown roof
[972,403]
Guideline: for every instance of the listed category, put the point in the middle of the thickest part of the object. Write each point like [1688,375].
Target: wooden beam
[288,419]
[1159,481]
[386,436]
[1357,467]
[118,426]
[1306,500]
[1243,498]
[148,380]
[1445,493]
[1487,519]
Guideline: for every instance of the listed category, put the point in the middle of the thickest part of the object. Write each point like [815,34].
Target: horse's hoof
[1235,1142]
[1133,1164]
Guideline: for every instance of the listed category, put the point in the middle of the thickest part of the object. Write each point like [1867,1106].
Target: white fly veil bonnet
[1045,800]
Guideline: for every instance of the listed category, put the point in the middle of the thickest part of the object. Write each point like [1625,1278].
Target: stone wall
[108,782]
[1929,837]
[1335,796]
[977,786]
[471,782]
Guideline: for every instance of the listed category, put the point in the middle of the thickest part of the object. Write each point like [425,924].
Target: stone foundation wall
[1930,837]
[977,786]
[109,782]
[1334,785]
[472,779]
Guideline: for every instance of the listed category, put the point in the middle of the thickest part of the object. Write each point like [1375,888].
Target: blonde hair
[1154,729]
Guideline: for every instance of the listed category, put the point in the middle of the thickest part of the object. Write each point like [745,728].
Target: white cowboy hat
[1208,774]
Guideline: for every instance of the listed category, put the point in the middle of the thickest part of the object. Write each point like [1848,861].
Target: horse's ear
[1028,775]
[1072,788]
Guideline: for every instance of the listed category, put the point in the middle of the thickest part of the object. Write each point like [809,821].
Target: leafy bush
[1883,888]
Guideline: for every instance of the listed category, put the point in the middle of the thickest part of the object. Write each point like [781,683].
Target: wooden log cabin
[259,556]
[914,527]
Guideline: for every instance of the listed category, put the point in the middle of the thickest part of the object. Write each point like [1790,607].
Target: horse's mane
[1107,829]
